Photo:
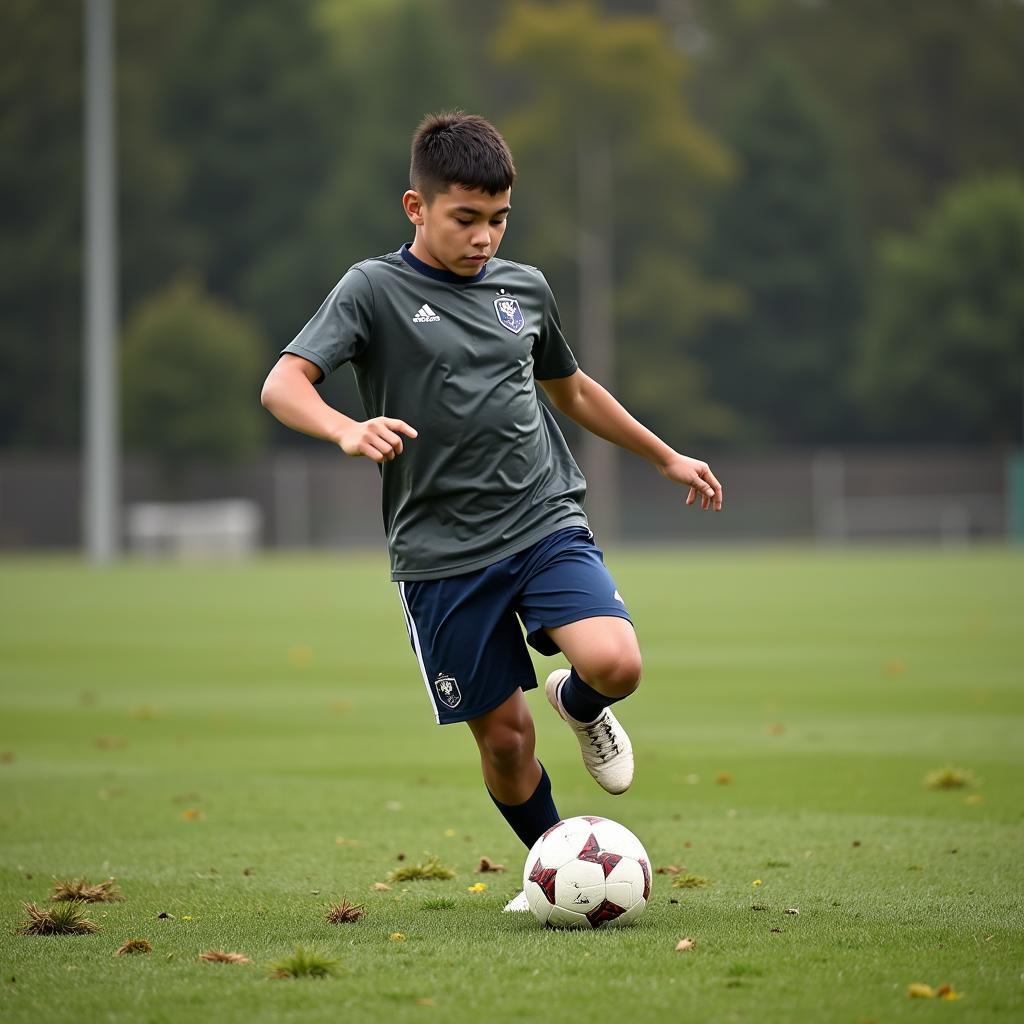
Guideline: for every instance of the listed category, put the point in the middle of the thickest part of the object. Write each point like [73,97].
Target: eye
[464,223]
[496,223]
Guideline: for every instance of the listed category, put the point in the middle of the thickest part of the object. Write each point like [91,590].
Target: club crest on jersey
[510,316]
[447,690]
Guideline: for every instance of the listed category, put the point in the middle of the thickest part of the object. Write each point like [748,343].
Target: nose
[481,237]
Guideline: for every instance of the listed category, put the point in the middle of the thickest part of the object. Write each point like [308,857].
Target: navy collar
[447,276]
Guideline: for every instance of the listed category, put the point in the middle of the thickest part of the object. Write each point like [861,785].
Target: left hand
[698,476]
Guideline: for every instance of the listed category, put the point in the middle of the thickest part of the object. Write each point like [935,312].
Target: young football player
[482,500]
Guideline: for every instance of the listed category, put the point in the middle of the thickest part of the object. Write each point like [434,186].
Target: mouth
[477,259]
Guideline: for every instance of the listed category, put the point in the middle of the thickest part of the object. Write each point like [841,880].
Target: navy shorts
[465,634]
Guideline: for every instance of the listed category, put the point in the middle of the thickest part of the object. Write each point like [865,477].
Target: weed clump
[304,963]
[439,903]
[950,778]
[430,870]
[345,912]
[135,946]
[63,919]
[80,889]
[219,956]
[690,882]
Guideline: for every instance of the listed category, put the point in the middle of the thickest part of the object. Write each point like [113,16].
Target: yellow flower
[449,832]
[186,917]
[757,882]
[918,990]
[397,937]
[946,992]
[479,887]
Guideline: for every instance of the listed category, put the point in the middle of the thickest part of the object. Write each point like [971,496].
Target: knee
[615,673]
[507,746]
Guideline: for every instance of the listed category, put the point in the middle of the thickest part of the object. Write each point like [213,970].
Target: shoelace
[599,742]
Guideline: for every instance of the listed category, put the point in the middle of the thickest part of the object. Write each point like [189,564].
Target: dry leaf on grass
[793,910]
[486,865]
[723,778]
[135,946]
[219,956]
[381,887]
[685,944]
[919,990]
[668,869]
[192,814]
[946,992]
[82,890]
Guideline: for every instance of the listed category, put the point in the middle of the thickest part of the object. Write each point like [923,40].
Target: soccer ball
[587,873]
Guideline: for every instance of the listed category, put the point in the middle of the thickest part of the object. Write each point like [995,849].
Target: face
[458,230]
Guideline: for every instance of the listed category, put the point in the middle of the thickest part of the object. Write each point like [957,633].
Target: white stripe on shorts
[415,637]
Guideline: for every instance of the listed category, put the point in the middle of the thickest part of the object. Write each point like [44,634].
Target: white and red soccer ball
[587,872]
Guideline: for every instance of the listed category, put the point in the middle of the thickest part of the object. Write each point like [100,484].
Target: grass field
[240,745]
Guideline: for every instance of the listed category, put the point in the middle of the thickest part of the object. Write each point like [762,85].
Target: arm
[289,394]
[597,410]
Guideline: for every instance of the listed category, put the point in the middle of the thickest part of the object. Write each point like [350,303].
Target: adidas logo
[425,315]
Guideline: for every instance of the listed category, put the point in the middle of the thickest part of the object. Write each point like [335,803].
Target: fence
[323,499]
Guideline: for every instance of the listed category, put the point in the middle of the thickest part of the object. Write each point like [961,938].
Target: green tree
[192,369]
[252,105]
[923,93]
[40,193]
[784,235]
[41,148]
[614,169]
[943,354]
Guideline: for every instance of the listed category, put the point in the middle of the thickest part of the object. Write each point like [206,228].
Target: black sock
[530,820]
[581,701]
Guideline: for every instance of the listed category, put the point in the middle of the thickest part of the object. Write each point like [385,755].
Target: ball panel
[613,836]
[605,913]
[544,879]
[538,903]
[562,917]
[629,916]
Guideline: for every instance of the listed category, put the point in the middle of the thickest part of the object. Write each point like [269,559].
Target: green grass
[240,746]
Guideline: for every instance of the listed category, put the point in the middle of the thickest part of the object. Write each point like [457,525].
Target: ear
[415,206]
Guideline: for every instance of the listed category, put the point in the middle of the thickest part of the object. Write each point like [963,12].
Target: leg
[506,739]
[604,652]
[516,780]
[605,649]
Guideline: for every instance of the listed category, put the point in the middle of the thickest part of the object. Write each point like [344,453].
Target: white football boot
[516,904]
[607,752]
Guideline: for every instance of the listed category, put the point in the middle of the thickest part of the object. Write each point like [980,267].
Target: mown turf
[240,746]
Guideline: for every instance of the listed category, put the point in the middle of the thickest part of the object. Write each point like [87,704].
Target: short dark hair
[455,148]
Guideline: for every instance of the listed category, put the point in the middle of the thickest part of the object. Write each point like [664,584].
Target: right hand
[378,439]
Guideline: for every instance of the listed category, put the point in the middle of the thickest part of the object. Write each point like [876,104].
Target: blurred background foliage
[816,209]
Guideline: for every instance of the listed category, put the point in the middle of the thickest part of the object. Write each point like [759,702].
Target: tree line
[814,212]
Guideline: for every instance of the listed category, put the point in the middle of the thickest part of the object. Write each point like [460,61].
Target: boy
[482,500]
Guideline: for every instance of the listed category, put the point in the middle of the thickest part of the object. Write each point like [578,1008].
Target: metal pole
[101,414]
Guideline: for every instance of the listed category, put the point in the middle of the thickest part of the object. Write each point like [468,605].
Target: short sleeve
[552,357]
[340,329]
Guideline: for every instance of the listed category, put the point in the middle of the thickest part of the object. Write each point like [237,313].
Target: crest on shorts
[510,316]
[447,690]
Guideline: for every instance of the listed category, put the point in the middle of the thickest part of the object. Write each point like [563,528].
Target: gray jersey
[456,358]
